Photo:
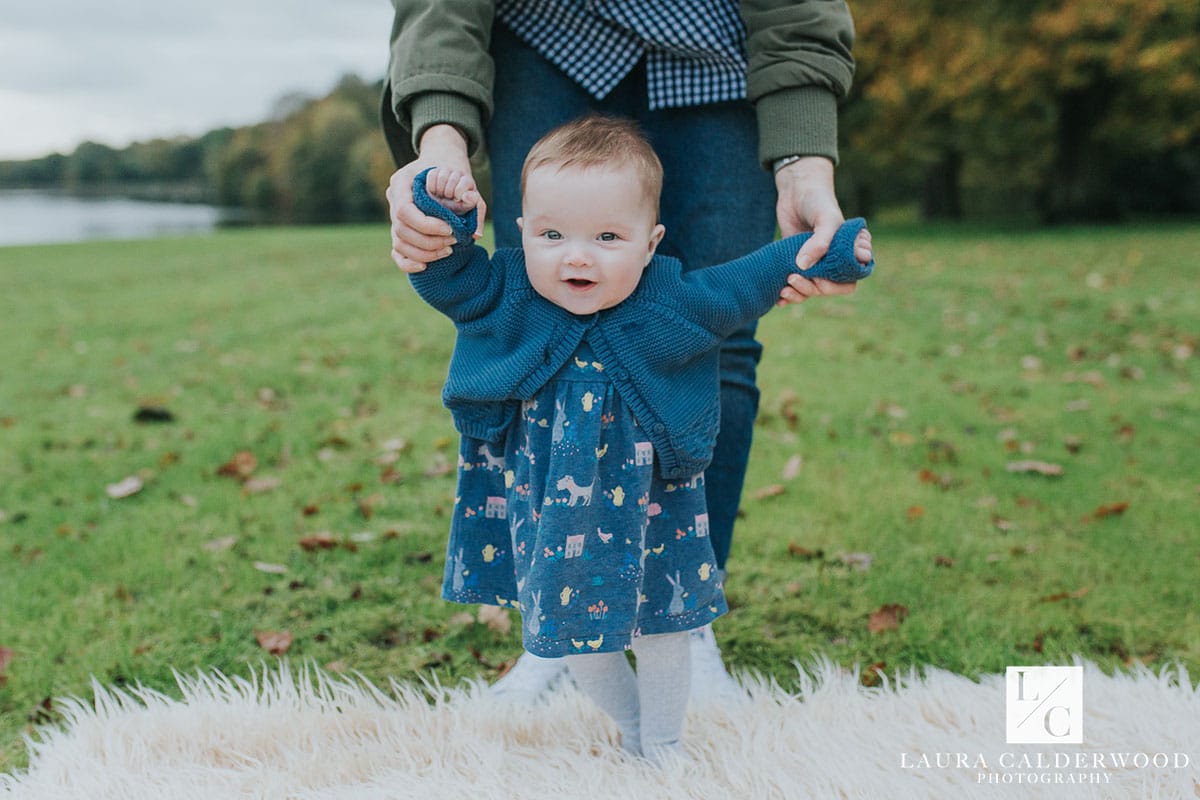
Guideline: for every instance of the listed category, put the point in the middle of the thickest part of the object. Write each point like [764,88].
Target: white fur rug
[305,735]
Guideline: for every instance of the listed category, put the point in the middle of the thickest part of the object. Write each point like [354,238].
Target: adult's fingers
[407,265]
[406,250]
[818,244]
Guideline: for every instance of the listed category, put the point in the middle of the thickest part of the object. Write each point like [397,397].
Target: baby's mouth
[580,283]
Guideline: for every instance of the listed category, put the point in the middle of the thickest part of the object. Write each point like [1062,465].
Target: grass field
[882,522]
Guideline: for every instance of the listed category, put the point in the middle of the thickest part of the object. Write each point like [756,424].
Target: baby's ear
[656,237]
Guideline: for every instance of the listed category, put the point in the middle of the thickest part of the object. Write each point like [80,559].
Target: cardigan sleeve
[723,298]
[465,285]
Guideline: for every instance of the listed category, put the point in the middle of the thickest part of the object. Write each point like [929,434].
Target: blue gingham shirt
[695,50]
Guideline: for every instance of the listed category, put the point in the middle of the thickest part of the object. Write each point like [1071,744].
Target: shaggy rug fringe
[303,734]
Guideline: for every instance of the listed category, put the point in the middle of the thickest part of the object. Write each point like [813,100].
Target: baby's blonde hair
[599,140]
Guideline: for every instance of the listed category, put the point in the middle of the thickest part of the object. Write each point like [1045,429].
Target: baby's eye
[608,236]
[552,235]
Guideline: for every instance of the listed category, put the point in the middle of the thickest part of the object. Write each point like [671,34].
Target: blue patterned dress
[573,525]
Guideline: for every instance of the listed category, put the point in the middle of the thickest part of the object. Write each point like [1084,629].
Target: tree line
[1056,111]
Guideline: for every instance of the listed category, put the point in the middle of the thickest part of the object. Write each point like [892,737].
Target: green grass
[968,350]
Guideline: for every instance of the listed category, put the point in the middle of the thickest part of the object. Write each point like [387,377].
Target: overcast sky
[127,70]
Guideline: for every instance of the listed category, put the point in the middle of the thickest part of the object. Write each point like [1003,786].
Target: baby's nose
[578,257]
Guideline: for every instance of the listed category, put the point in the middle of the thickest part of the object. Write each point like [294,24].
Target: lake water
[41,217]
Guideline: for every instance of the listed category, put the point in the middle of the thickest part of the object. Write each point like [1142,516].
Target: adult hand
[807,203]
[416,238]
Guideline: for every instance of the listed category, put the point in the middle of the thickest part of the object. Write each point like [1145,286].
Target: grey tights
[648,706]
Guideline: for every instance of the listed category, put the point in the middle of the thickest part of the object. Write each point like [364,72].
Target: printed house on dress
[496,508]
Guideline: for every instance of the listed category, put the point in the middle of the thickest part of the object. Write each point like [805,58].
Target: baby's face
[588,233]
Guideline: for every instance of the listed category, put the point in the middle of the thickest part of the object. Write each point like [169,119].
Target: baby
[584,383]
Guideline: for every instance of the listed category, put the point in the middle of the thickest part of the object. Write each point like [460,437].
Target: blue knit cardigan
[659,346]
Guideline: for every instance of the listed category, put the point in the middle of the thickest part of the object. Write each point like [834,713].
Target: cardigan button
[621,375]
[659,427]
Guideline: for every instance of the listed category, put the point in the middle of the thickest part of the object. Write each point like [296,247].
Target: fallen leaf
[1073,444]
[887,618]
[496,618]
[6,658]
[1038,467]
[1003,524]
[126,488]
[774,490]
[240,467]
[915,512]
[901,438]
[873,675]
[260,485]
[439,466]
[318,541]
[1059,596]
[221,545]
[1109,510]
[271,569]
[941,481]
[860,561]
[943,561]
[274,642]
[792,468]
[463,618]
[804,553]
[310,510]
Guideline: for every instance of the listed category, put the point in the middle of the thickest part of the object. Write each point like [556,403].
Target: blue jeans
[717,204]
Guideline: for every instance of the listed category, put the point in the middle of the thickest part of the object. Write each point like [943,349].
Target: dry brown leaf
[126,488]
[943,561]
[6,658]
[274,642]
[1110,510]
[240,467]
[873,675]
[887,618]
[804,553]
[774,490]
[318,541]
[1003,524]
[496,618]
[1059,596]
[915,512]
[1038,467]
